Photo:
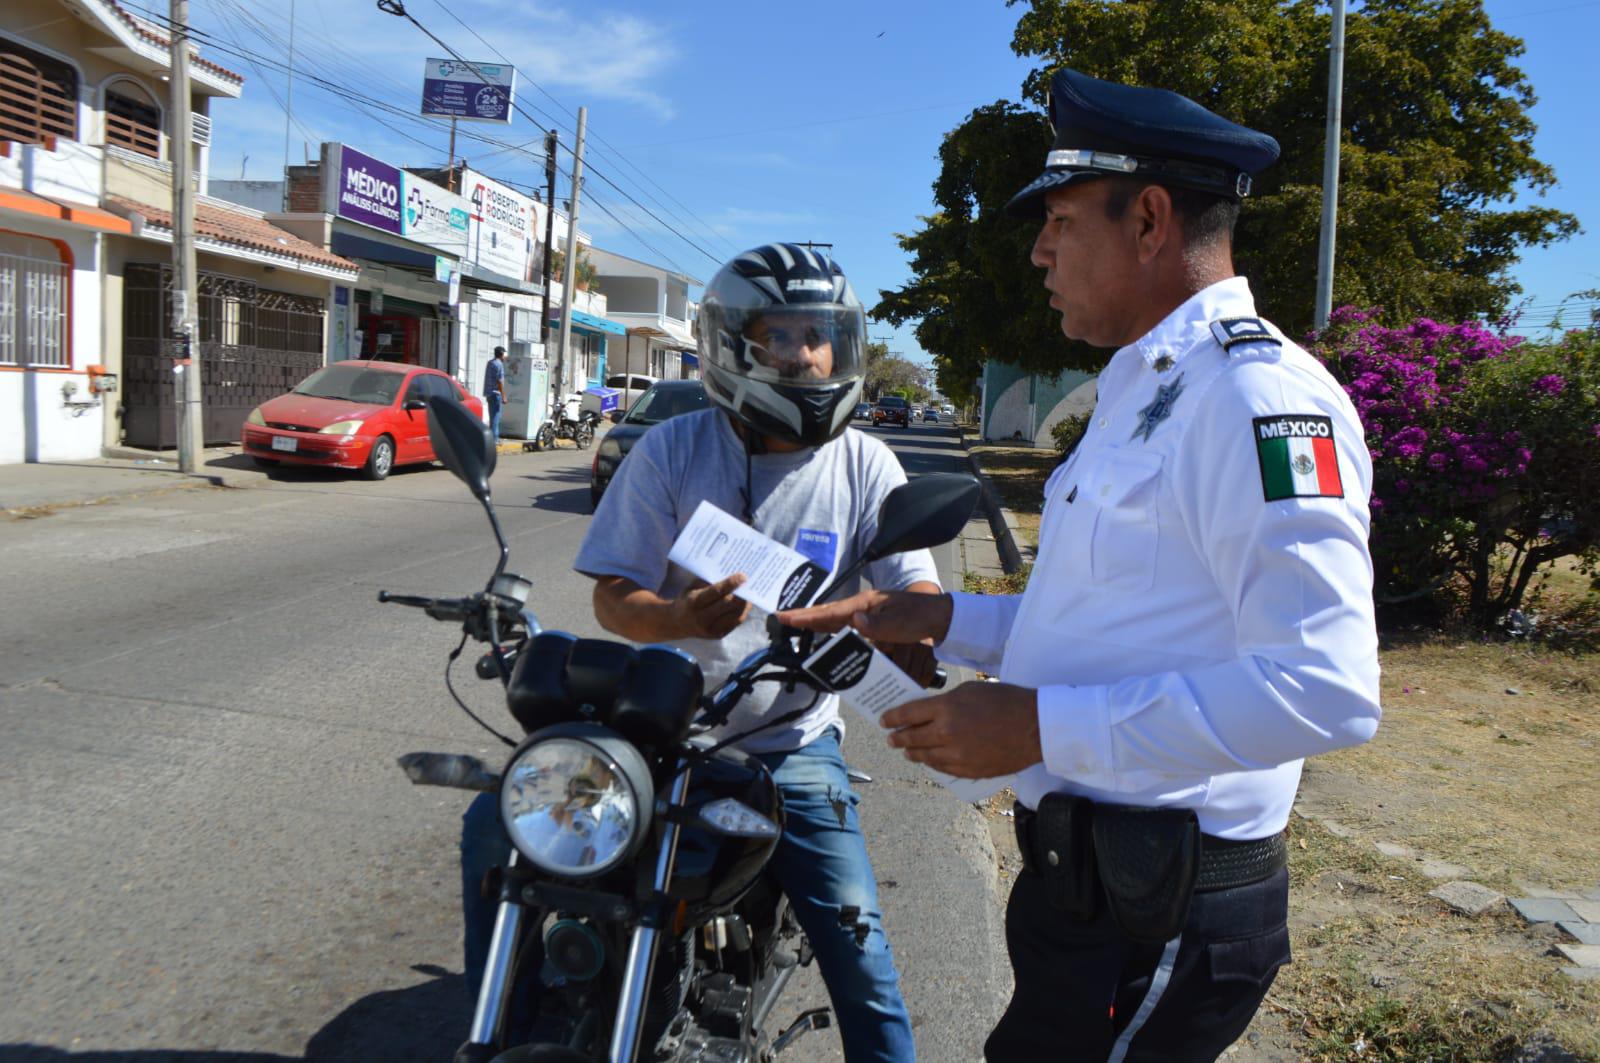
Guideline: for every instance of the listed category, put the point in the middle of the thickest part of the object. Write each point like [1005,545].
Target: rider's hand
[902,617]
[710,611]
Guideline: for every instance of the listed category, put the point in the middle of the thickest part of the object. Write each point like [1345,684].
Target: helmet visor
[810,345]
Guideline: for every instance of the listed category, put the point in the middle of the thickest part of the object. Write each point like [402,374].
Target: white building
[653,302]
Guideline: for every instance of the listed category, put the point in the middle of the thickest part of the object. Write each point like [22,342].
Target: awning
[475,276]
[349,245]
[691,359]
[592,323]
[673,333]
[58,210]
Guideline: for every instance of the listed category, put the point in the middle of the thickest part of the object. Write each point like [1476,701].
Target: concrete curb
[1002,522]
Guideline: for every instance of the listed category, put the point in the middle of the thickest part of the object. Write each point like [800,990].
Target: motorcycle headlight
[576,800]
[341,428]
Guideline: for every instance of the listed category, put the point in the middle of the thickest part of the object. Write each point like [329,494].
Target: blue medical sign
[480,92]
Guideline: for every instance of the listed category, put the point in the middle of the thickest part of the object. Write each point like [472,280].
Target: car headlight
[256,418]
[340,428]
[576,800]
[610,450]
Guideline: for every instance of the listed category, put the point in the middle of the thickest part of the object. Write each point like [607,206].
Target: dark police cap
[1102,128]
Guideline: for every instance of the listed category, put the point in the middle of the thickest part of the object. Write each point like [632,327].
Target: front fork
[642,949]
[496,986]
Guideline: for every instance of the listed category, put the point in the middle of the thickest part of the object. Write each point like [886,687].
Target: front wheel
[546,438]
[584,436]
[380,460]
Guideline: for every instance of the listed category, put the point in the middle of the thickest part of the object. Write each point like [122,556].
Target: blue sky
[737,122]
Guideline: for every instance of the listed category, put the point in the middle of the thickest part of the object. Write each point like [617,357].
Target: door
[411,426]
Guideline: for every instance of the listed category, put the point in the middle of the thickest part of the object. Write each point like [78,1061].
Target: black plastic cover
[659,702]
[537,693]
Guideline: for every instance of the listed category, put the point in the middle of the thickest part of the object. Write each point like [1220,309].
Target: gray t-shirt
[822,501]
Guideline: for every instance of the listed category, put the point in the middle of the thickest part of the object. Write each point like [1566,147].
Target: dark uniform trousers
[1085,991]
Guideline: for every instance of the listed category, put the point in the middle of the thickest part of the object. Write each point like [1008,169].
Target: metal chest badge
[1159,410]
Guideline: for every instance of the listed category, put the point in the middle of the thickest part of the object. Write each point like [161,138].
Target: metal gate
[255,344]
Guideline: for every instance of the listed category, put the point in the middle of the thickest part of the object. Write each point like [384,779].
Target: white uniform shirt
[1190,640]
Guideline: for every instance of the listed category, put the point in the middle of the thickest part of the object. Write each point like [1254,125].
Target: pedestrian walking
[1199,617]
[494,389]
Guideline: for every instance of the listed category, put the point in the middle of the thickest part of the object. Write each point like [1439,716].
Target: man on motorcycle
[782,348]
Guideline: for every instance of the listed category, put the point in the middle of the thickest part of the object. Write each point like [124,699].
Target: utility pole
[191,432]
[550,140]
[1330,170]
[288,111]
[569,293]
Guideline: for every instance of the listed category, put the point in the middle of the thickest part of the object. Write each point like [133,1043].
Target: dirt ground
[1486,769]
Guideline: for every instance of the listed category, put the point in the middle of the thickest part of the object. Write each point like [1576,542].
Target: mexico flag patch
[1297,457]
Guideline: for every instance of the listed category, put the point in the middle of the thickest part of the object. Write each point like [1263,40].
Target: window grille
[38,96]
[33,312]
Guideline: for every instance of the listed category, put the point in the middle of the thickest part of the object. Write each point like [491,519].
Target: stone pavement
[1577,915]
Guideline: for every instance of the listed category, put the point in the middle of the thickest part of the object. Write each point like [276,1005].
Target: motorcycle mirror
[463,443]
[927,511]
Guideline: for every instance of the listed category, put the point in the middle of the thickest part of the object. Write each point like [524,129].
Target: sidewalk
[30,487]
[44,485]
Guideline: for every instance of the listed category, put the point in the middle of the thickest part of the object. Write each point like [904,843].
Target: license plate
[285,443]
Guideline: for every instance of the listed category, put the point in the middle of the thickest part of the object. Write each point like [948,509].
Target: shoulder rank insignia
[1297,456]
[1159,409]
[1231,331]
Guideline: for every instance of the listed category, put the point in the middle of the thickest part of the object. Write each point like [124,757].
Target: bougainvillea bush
[1486,454]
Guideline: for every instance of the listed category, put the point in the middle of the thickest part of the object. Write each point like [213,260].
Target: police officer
[1199,618]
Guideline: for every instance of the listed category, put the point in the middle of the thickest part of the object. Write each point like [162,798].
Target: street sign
[479,92]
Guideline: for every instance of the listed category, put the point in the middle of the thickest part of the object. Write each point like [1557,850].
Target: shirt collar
[1182,330]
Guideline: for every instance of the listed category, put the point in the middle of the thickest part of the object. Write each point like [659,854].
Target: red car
[362,415]
[892,409]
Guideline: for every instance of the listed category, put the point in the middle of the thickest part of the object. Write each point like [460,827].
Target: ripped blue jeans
[823,866]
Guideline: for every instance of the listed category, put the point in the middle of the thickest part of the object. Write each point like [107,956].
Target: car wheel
[546,437]
[594,498]
[380,460]
[266,463]
[584,435]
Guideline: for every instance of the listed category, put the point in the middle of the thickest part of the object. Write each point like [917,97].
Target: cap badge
[1159,410]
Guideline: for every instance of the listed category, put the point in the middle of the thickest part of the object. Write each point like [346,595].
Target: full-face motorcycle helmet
[782,343]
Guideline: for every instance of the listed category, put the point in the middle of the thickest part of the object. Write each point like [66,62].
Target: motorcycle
[637,918]
[568,421]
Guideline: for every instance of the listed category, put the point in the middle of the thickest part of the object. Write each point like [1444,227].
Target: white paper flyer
[715,545]
[869,682]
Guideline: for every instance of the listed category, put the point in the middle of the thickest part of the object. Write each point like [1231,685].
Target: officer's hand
[915,659]
[976,731]
[902,617]
[710,611]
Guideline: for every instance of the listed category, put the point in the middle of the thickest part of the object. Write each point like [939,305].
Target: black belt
[1224,864]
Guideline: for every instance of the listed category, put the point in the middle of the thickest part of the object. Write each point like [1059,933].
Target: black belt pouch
[1063,827]
[1149,859]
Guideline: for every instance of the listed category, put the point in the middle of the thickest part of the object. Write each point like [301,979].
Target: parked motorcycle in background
[637,916]
[569,419]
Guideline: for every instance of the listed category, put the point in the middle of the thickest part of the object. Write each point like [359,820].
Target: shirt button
[1105,489]
[1052,858]
[1102,422]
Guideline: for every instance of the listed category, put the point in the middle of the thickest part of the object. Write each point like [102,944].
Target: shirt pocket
[1122,547]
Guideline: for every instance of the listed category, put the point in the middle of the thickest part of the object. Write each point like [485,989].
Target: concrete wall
[36,421]
[1026,406]
[630,295]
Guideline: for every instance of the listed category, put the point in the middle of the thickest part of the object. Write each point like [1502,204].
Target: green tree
[1437,142]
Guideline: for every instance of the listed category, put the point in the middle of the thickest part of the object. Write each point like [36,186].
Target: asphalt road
[207,851]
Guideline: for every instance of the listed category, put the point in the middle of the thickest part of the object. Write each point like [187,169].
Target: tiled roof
[155,38]
[234,227]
